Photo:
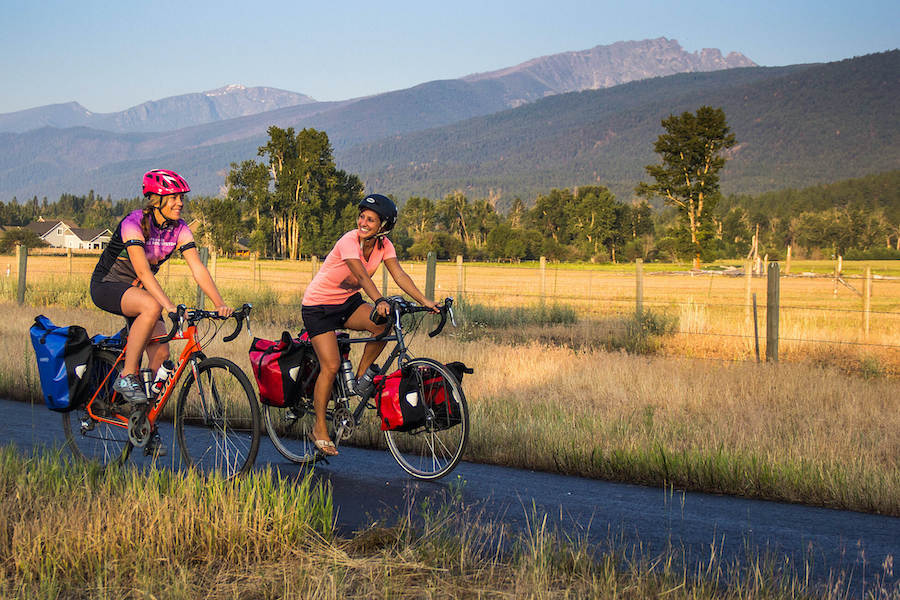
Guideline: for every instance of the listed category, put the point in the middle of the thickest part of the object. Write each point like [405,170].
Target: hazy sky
[110,55]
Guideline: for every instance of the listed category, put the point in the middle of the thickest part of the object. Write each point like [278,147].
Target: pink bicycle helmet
[164,182]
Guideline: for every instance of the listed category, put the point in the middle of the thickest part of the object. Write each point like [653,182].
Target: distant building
[60,234]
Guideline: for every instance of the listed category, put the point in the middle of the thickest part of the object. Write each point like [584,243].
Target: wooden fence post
[204,258]
[69,262]
[773,297]
[748,281]
[22,259]
[543,278]
[639,288]
[315,265]
[213,259]
[787,264]
[430,268]
[459,276]
[867,299]
[384,280]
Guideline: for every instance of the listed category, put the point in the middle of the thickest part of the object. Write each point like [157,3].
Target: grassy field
[792,431]
[74,531]
[822,427]
[821,319]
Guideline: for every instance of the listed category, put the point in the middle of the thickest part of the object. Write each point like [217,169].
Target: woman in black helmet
[332,300]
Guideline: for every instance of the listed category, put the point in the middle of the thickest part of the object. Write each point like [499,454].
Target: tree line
[295,202]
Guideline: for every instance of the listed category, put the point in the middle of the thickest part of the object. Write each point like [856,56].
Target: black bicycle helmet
[384,207]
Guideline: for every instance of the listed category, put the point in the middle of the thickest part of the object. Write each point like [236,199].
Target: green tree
[306,198]
[220,222]
[24,237]
[593,219]
[692,153]
[417,216]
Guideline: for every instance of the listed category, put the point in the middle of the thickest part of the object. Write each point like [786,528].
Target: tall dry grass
[793,432]
[74,531]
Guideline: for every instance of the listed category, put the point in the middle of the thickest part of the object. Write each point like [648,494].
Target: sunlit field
[822,319]
[790,431]
[688,409]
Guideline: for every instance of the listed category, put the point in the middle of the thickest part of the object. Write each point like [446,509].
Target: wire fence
[825,311]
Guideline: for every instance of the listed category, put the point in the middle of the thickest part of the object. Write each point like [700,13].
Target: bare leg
[138,303]
[326,347]
[360,321]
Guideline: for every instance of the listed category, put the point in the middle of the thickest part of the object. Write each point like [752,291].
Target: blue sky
[111,55]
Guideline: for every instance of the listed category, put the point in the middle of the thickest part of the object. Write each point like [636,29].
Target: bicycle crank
[138,428]
[344,423]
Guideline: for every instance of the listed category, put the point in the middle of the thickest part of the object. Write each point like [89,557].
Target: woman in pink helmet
[124,280]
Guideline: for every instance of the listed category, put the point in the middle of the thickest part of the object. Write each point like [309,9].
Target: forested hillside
[795,126]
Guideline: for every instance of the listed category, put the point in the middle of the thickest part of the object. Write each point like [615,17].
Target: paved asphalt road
[369,486]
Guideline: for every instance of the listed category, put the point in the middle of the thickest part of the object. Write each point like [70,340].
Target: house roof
[42,227]
[90,234]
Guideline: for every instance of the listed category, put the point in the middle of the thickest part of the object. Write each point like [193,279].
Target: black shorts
[108,296]
[323,318]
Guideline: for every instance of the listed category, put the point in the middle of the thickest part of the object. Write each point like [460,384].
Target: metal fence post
[22,259]
[430,268]
[204,258]
[773,295]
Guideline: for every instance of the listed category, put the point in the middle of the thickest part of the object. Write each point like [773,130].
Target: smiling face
[170,206]
[369,224]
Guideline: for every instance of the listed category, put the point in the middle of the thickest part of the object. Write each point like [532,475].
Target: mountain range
[556,121]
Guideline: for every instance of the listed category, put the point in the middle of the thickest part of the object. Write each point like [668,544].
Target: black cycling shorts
[108,296]
[323,318]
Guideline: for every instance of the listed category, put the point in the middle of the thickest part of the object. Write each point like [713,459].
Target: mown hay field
[821,318]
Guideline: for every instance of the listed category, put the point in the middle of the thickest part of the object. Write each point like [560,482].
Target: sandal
[326,447]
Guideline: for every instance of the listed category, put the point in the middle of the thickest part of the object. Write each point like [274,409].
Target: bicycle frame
[190,349]
[400,353]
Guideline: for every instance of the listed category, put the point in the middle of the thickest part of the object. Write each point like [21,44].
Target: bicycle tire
[432,451]
[289,428]
[87,438]
[217,420]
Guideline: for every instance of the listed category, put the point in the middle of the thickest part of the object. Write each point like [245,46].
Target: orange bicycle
[216,415]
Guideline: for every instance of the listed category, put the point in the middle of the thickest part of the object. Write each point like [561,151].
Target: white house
[60,234]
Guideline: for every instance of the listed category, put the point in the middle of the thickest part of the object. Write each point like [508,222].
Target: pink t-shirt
[334,283]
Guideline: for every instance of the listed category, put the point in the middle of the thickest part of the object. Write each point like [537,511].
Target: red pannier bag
[284,369]
[398,402]
[440,397]
[401,408]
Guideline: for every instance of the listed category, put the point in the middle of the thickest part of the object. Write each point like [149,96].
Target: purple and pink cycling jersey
[114,264]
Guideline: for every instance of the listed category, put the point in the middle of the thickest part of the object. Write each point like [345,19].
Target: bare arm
[141,266]
[205,281]
[359,271]
[406,283]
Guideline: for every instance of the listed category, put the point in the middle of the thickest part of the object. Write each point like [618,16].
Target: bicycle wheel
[88,438]
[217,418]
[433,450]
[289,428]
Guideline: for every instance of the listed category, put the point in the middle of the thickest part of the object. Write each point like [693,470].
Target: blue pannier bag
[63,358]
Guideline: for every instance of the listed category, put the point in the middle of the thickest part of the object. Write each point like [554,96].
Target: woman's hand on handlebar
[434,306]
[224,311]
[383,307]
